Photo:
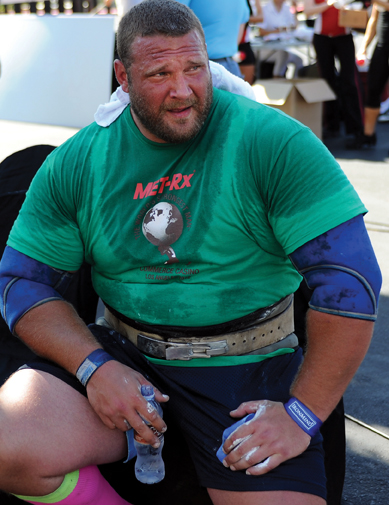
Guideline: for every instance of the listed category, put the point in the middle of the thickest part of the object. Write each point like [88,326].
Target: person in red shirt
[331,40]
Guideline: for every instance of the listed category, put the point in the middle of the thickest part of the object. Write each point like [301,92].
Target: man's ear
[121,75]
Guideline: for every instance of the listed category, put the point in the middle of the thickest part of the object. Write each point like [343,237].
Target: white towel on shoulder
[107,113]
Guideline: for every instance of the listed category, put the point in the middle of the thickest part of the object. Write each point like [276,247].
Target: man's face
[170,86]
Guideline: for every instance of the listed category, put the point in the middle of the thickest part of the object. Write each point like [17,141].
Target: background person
[331,40]
[240,224]
[223,24]
[278,18]
[247,63]
[378,69]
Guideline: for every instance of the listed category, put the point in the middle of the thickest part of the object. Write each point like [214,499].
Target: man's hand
[114,393]
[264,442]
[55,332]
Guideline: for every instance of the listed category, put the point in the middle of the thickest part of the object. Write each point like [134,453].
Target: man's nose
[180,87]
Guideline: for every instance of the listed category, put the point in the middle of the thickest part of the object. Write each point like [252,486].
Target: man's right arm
[54,331]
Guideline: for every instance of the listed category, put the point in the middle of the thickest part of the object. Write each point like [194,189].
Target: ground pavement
[366,405]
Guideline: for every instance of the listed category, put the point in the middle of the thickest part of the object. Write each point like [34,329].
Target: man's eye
[157,74]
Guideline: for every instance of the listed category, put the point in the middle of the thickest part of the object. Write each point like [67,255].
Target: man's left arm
[341,268]
[336,348]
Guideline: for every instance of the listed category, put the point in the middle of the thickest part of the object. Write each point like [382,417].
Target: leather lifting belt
[264,334]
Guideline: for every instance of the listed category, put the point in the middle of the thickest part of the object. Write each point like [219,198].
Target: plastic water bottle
[149,465]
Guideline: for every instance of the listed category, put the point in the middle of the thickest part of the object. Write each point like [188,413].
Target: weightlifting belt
[265,336]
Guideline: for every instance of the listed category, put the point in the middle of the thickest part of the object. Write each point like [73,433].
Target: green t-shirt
[192,234]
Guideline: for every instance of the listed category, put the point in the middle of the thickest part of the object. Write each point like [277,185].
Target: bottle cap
[147,392]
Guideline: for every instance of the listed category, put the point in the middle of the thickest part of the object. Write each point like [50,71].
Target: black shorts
[377,77]
[200,401]
[249,59]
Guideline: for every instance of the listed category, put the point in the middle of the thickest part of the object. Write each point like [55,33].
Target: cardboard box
[301,99]
[353,18]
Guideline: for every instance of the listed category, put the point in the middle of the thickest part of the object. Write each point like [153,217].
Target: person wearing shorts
[378,74]
[196,394]
[199,211]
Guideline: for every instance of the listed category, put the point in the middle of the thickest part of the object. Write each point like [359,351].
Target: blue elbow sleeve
[341,268]
[26,283]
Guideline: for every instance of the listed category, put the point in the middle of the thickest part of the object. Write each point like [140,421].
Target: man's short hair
[154,17]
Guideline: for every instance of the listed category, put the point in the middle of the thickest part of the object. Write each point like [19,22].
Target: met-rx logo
[302,416]
[179,181]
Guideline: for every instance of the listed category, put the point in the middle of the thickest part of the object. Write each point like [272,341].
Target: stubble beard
[156,124]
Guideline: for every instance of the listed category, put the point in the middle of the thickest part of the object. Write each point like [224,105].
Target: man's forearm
[336,348]
[56,332]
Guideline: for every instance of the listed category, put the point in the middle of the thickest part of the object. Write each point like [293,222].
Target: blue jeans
[229,64]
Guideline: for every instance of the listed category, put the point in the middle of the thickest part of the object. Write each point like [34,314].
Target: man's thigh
[50,428]
[220,497]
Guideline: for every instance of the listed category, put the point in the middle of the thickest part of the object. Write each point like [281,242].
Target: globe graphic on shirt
[162,226]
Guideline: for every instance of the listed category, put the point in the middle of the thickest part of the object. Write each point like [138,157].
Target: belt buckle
[180,351]
[187,351]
